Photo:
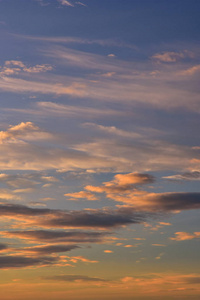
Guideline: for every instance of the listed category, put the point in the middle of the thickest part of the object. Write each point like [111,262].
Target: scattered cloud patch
[108,251]
[23,131]
[184,236]
[171,57]
[81,195]
[13,67]
[121,183]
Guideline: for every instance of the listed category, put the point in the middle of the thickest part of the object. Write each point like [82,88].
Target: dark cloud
[193,280]
[140,208]
[72,278]
[9,262]
[175,201]
[7,209]
[160,202]
[58,236]
[3,246]
[50,249]
[96,218]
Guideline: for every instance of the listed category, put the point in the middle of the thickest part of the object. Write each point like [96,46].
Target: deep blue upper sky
[137,21]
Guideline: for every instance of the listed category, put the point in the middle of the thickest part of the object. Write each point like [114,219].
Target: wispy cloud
[172,57]
[47,249]
[71,3]
[190,71]
[74,278]
[195,175]
[112,130]
[66,3]
[109,42]
[30,180]
[156,87]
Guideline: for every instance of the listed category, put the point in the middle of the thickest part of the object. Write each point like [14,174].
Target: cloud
[6,194]
[138,87]
[160,255]
[166,202]
[113,130]
[171,57]
[121,183]
[7,209]
[184,236]
[29,156]
[3,247]
[13,262]
[110,42]
[140,154]
[123,189]
[76,259]
[81,195]
[168,281]
[27,147]
[99,218]
[27,180]
[74,278]
[65,3]
[191,71]
[136,213]
[90,218]
[48,249]
[18,85]
[75,111]
[22,149]
[70,3]
[195,175]
[56,236]
[12,67]
[23,131]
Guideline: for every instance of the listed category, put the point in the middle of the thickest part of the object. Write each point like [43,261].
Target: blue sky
[100,153]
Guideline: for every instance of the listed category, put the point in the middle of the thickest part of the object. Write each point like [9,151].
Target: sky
[99,149]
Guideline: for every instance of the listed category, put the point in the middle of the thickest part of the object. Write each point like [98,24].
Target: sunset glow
[99,150]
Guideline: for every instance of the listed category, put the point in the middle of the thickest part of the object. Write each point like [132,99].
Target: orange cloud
[184,236]
[121,183]
[81,195]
